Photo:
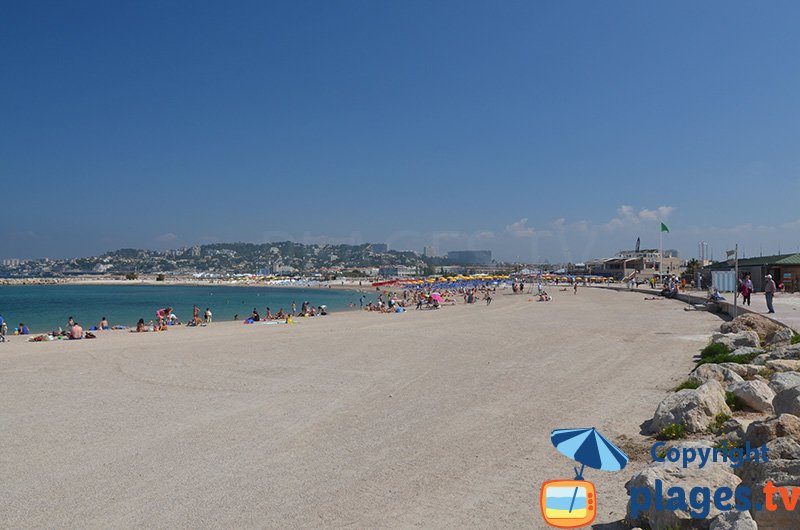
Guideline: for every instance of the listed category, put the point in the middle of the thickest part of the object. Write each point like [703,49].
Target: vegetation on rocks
[672,432]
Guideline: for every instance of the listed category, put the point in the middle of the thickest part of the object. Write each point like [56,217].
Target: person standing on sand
[208,316]
[294,308]
[769,292]
[575,288]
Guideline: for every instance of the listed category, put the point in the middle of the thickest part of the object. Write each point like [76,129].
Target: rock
[731,434]
[783,469]
[784,380]
[735,340]
[733,520]
[755,395]
[761,360]
[786,352]
[694,409]
[787,401]
[764,431]
[784,365]
[714,475]
[743,370]
[779,336]
[716,372]
[749,321]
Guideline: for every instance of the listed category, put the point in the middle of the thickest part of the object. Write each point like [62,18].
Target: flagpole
[660,253]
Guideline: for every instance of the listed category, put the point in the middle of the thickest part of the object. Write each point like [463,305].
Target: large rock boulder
[733,520]
[779,337]
[743,370]
[747,339]
[784,365]
[763,431]
[784,380]
[755,395]
[787,402]
[785,352]
[714,372]
[643,485]
[694,409]
[750,322]
[782,469]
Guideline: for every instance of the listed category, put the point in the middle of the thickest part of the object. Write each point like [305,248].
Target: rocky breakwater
[725,445]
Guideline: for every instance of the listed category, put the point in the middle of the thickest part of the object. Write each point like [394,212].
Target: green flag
[664,228]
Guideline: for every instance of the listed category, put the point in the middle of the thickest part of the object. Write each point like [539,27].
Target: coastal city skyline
[540,132]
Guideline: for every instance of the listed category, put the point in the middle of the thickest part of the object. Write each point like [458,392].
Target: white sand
[431,419]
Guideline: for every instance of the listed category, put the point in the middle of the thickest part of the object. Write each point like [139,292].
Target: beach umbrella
[590,448]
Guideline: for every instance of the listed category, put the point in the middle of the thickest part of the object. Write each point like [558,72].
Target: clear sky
[539,130]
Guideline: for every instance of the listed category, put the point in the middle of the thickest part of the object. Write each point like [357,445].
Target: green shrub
[732,401]
[713,350]
[740,358]
[160,277]
[131,276]
[688,384]
[672,432]
[766,373]
[796,338]
[719,419]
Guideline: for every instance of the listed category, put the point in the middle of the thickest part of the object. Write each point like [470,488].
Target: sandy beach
[432,419]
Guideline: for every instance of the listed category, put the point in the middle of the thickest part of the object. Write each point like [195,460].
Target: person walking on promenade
[747,289]
[769,292]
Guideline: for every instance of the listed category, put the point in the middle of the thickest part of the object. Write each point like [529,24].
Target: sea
[46,307]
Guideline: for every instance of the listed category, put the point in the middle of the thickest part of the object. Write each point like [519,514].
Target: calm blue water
[45,307]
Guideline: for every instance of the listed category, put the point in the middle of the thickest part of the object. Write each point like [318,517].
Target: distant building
[429,252]
[379,248]
[196,251]
[397,271]
[784,268]
[470,257]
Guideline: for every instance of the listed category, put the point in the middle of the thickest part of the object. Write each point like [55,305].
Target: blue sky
[539,130]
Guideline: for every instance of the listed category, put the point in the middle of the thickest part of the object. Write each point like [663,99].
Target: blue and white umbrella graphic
[590,448]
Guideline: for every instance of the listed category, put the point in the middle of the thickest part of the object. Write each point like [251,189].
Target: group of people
[22,329]
[745,288]
[166,317]
[306,310]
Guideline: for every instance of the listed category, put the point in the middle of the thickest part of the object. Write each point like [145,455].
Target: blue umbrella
[590,448]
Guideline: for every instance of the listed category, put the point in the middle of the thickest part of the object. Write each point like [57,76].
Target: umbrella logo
[573,503]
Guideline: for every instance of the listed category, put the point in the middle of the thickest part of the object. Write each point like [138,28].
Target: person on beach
[140,327]
[76,332]
[23,329]
[208,315]
[769,292]
[294,308]
[103,323]
[255,316]
[575,288]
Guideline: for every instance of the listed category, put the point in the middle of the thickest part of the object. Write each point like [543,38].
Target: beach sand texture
[432,419]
